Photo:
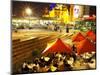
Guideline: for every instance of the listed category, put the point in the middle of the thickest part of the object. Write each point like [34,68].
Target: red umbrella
[78,37]
[91,35]
[85,46]
[59,47]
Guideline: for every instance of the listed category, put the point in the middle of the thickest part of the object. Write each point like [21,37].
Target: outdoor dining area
[60,56]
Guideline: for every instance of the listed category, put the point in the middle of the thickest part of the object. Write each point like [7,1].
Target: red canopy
[91,35]
[78,37]
[58,46]
[85,46]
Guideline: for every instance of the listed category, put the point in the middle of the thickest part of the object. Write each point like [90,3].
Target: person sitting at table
[60,65]
[67,67]
[25,68]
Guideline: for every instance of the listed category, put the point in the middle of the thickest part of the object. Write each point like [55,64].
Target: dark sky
[18,8]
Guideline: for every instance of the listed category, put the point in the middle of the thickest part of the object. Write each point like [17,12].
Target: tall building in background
[86,10]
[71,12]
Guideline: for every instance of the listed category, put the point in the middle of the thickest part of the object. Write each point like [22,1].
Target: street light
[29,13]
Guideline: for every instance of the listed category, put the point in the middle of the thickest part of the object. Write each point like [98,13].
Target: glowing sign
[76,11]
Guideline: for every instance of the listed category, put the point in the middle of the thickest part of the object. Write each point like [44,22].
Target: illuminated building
[59,12]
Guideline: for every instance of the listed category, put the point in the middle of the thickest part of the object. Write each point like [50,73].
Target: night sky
[18,8]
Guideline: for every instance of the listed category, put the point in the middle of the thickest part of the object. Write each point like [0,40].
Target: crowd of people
[54,27]
[57,27]
[58,62]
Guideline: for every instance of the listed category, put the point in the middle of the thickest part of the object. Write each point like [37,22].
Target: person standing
[67,29]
